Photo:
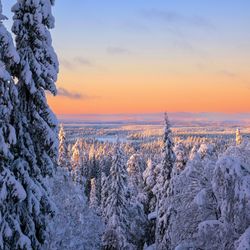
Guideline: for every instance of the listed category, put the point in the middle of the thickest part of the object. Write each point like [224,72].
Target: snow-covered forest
[62,190]
[161,193]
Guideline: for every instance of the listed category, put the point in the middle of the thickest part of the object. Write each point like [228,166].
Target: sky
[138,56]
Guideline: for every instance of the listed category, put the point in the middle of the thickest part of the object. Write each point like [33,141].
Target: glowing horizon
[148,57]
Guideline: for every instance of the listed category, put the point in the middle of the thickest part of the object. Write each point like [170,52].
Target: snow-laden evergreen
[137,200]
[135,168]
[75,225]
[117,229]
[27,204]
[76,163]
[104,195]
[37,73]
[231,189]
[181,157]
[12,192]
[93,200]
[238,137]
[95,172]
[150,178]
[191,199]
[63,160]
[163,180]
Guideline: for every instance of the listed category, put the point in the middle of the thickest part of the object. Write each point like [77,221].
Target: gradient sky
[138,56]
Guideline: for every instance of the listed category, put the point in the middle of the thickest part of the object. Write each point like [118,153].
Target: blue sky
[139,25]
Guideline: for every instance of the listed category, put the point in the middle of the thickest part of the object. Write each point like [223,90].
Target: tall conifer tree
[37,73]
[116,212]
[26,205]
[168,160]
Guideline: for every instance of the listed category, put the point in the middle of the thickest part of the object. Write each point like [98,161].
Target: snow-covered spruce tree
[75,226]
[149,177]
[116,233]
[77,164]
[106,159]
[104,195]
[12,193]
[191,199]
[37,73]
[35,152]
[93,162]
[93,201]
[95,172]
[63,160]
[138,222]
[167,165]
[75,156]
[135,168]
[193,151]
[181,157]
[231,188]
[137,200]
[238,137]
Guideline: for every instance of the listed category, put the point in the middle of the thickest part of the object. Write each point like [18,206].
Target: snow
[3,146]
[202,195]
[200,198]
[23,242]
[75,224]
[151,247]
[195,195]
[243,243]
[17,189]
[152,216]
[12,135]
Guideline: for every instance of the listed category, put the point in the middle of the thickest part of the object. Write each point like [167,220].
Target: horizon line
[154,113]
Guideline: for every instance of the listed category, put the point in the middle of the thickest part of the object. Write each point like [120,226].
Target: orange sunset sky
[139,56]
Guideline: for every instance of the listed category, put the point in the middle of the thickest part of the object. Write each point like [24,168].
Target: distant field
[109,132]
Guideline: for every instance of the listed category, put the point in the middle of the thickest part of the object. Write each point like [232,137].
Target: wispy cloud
[177,26]
[172,17]
[83,61]
[66,93]
[76,62]
[66,64]
[117,51]
[74,95]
